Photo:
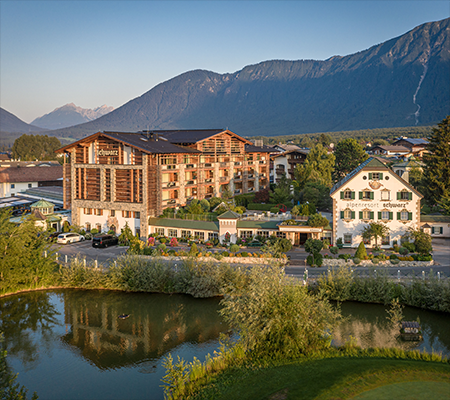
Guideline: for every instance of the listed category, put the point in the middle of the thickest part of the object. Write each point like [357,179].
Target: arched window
[88,226]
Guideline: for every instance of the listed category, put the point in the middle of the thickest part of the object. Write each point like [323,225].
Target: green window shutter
[371,214]
[342,214]
[409,216]
[342,195]
[399,217]
[432,230]
[360,195]
[391,215]
[360,215]
[381,176]
[371,195]
[370,175]
[353,215]
[441,230]
[410,195]
[353,195]
[379,214]
[398,195]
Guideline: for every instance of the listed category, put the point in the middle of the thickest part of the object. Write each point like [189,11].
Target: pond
[71,344]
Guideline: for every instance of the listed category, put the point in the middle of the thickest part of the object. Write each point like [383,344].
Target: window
[137,215]
[126,214]
[88,226]
[404,215]
[213,235]
[199,235]
[112,213]
[246,234]
[265,234]
[30,185]
[385,215]
[98,211]
[404,195]
[366,214]
[99,227]
[88,211]
[13,186]
[366,195]
[159,231]
[172,233]
[347,238]
[281,235]
[375,176]
[437,230]
[385,195]
[185,234]
[347,194]
[347,214]
[385,240]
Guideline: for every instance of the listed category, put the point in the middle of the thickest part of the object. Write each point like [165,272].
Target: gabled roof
[187,135]
[137,140]
[371,164]
[413,141]
[392,148]
[31,174]
[228,215]
[301,151]
[287,147]
[251,148]
[42,204]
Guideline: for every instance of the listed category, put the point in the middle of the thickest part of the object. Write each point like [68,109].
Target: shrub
[395,261]
[260,207]
[396,248]
[162,247]
[151,241]
[234,248]
[173,242]
[361,252]
[163,240]
[88,236]
[403,251]
[274,210]
[425,257]
[225,254]
[375,260]
[193,251]
[410,246]
[393,257]
[356,260]
[345,257]
[334,250]
[244,254]
[94,231]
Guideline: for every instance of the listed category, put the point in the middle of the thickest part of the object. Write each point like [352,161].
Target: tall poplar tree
[437,164]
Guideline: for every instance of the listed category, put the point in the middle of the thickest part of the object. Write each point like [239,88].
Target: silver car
[70,237]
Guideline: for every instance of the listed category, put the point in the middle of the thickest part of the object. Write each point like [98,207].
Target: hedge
[260,207]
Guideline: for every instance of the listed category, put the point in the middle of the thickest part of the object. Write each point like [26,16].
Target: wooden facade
[118,172]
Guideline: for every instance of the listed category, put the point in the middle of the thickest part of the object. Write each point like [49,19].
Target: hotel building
[114,178]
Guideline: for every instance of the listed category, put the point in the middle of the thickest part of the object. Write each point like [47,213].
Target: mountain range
[402,82]
[70,115]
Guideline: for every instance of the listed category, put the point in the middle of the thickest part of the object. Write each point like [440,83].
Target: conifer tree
[437,164]
[361,252]
[349,154]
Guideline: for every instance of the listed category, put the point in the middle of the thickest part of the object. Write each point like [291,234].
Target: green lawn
[335,378]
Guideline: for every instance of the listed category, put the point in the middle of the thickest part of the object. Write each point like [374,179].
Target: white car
[70,237]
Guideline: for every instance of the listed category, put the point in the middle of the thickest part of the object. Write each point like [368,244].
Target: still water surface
[70,344]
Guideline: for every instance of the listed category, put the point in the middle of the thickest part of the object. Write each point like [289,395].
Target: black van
[104,240]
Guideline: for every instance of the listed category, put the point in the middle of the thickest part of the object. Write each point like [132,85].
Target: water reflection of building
[157,324]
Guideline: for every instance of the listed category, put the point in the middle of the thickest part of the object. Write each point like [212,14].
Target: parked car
[104,240]
[53,236]
[70,237]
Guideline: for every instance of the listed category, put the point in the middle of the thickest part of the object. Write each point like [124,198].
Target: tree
[277,318]
[349,154]
[282,193]
[321,164]
[22,265]
[375,230]
[313,247]
[361,252]
[437,163]
[317,221]
[317,194]
[35,147]
[422,241]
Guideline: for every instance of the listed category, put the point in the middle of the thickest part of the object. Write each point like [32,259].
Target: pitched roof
[372,163]
[251,148]
[413,141]
[287,147]
[42,204]
[435,218]
[392,148]
[187,135]
[31,174]
[228,215]
[184,224]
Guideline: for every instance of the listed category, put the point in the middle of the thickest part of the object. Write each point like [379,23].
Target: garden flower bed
[337,262]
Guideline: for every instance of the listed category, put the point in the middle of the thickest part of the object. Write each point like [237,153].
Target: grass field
[335,378]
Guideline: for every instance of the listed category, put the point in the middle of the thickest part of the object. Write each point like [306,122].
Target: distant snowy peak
[70,115]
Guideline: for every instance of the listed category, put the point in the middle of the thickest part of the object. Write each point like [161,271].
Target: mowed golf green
[335,378]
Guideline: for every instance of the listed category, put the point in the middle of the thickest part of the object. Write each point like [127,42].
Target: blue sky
[108,52]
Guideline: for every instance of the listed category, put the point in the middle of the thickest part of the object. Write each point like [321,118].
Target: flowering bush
[151,241]
[173,242]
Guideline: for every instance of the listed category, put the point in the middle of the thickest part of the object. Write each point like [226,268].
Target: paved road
[296,268]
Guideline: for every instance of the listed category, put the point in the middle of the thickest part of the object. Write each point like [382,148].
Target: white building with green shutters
[372,192]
